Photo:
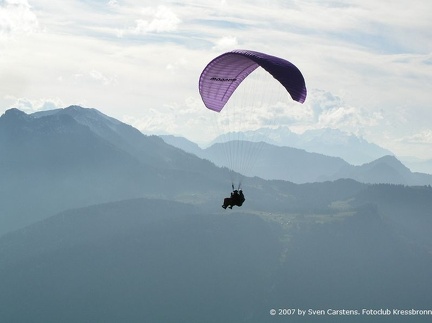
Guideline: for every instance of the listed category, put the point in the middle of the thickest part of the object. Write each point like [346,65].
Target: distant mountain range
[61,159]
[299,166]
[330,142]
[73,157]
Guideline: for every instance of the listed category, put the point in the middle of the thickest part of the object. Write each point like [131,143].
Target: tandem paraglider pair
[237,198]
[222,76]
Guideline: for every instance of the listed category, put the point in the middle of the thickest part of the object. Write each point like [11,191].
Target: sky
[367,63]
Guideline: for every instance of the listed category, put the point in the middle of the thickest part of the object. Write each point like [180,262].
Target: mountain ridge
[328,141]
[75,156]
[301,166]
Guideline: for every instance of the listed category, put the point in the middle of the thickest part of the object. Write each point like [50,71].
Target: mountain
[56,163]
[330,142]
[333,142]
[265,160]
[130,260]
[74,157]
[183,144]
[419,165]
[299,166]
[273,162]
[148,149]
[112,130]
[387,169]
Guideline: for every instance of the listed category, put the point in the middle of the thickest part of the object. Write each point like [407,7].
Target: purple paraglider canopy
[221,77]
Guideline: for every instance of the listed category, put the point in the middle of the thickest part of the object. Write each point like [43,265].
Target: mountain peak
[92,118]
[15,114]
[387,169]
[75,108]
[391,161]
[78,111]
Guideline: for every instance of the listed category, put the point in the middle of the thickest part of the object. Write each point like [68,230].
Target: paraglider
[237,198]
[223,75]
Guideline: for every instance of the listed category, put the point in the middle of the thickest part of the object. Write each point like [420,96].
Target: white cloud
[226,43]
[423,137]
[156,20]
[113,3]
[30,106]
[330,111]
[16,17]
[350,119]
[177,65]
[102,78]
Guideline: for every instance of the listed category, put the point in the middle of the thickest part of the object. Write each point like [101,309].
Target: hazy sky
[367,63]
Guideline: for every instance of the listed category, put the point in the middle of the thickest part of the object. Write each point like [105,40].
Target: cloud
[30,106]
[94,76]
[323,101]
[423,137]
[322,109]
[102,78]
[188,118]
[158,19]
[226,43]
[113,3]
[350,119]
[17,17]
[177,65]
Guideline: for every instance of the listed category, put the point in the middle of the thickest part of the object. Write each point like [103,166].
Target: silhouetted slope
[407,209]
[158,261]
[137,261]
[359,262]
